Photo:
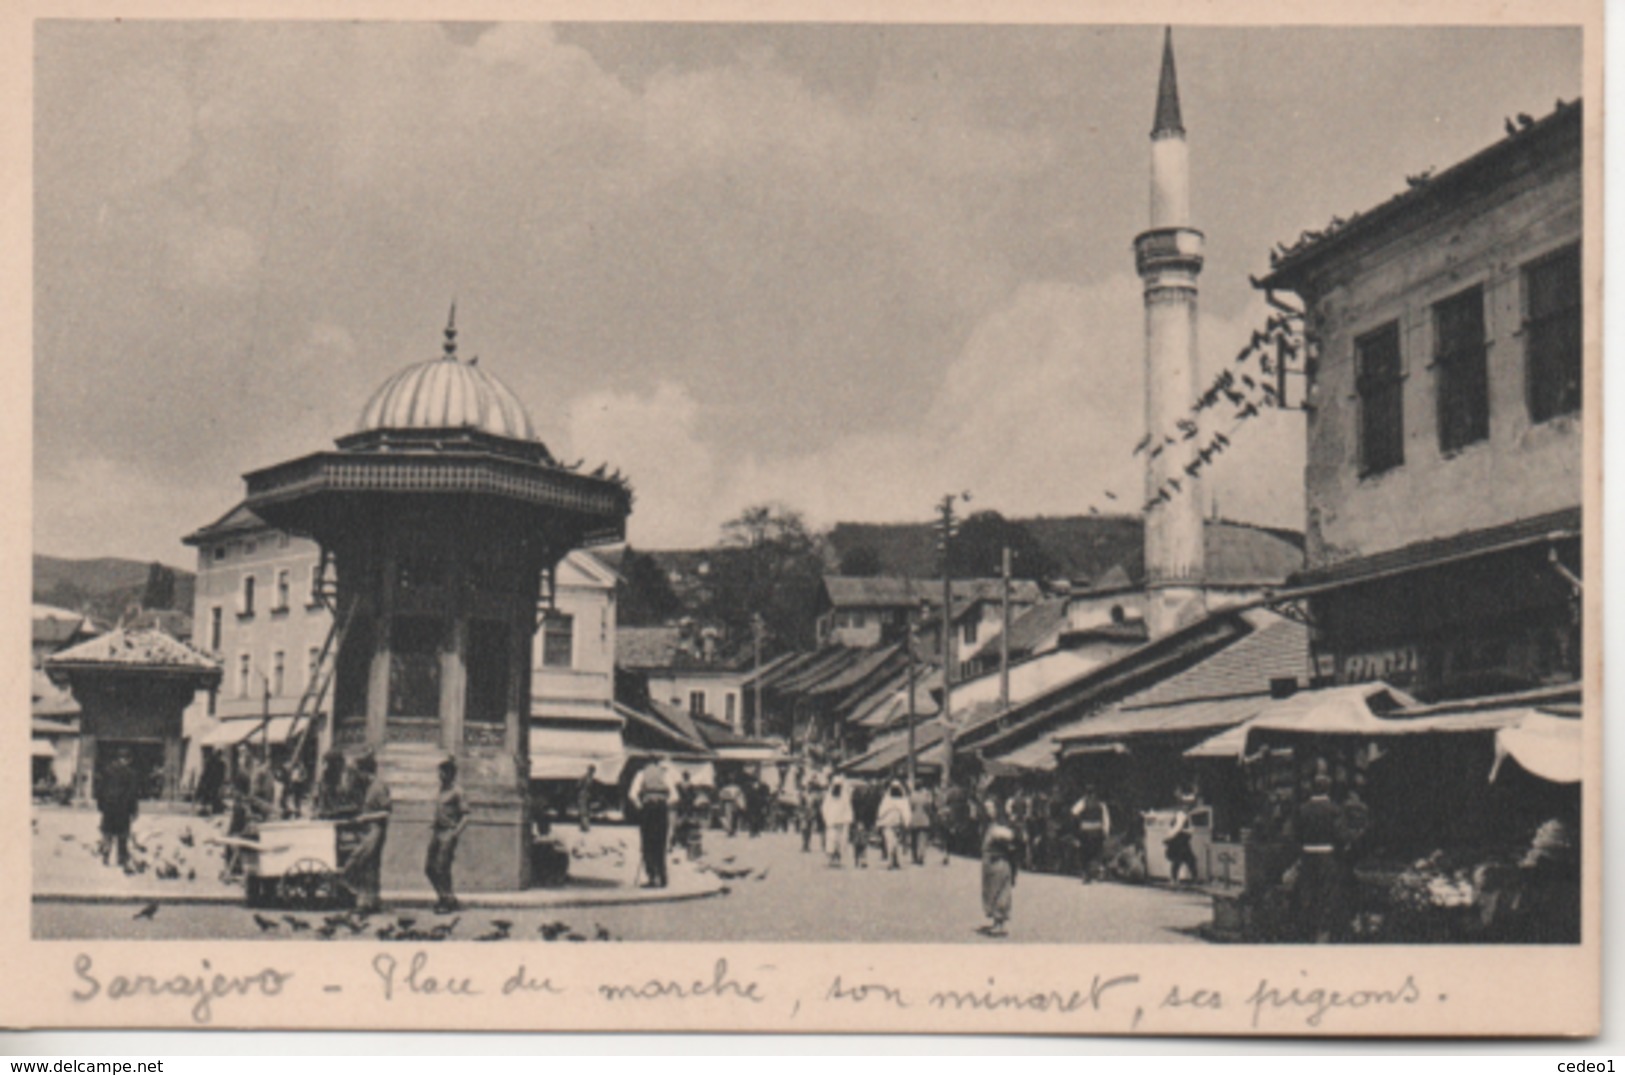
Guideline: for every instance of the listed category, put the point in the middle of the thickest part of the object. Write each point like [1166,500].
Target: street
[787,896]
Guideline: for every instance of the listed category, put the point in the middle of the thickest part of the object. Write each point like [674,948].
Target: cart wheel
[308,885]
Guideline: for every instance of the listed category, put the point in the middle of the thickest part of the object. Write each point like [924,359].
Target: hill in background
[106,587]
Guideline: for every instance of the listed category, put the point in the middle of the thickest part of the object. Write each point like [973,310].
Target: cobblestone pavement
[778,894]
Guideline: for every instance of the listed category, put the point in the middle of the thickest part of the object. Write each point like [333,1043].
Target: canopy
[564,752]
[43,749]
[249,729]
[1547,746]
[751,753]
[1083,749]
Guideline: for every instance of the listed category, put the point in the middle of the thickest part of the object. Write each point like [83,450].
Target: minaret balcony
[1168,249]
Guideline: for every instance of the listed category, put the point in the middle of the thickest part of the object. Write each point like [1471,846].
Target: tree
[978,549]
[644,596]
[159,592]
[768,563]
[862,561]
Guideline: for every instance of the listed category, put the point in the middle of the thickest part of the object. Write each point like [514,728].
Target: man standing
[1320,884]
[920,811]
[584,798]
[1094,821]
[650,795]
[450,819]
[118,797]
[362,874]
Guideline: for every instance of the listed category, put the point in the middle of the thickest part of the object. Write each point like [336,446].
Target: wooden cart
[297,865]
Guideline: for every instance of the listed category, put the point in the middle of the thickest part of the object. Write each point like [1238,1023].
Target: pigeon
[1110,495]
[1525,120]
[494,935]
[762,876]
[1507,123]
[149,911]
[299,924]
[326,932]
[574,937]
[502,923]
[725,890]
[402,922]
[267,925]
[600,933]
[187,838]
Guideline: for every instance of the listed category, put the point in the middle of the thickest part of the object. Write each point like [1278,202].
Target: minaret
[1168,257]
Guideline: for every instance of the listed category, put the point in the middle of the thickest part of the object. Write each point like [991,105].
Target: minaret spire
[450,346]
[1168,120]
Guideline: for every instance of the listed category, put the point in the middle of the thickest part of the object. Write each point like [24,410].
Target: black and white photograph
[588,486]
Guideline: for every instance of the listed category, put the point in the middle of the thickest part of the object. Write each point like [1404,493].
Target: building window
[279,669]
[284,589]
[245,672]
[249,547]
[968,631]
[1460,368]
[696,703]
[1380,384]
[313,599]
[220,552]
[215,616]
[245,597]
[1552,329]
[312,662]
[730,705]
[558,641]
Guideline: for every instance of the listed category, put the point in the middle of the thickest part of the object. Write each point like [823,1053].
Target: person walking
[650,795]
[363,875]
[999,857]
[450,819]
[865,809]
[584,797]
[118,797]
[837,815]
[893,819]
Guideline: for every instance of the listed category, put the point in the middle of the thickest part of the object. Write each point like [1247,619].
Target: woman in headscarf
[999,852]
[837,811]
[893,822]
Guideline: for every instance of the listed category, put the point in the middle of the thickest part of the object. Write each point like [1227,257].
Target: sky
[845,268]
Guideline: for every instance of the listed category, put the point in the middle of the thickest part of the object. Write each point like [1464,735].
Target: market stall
[1437,827]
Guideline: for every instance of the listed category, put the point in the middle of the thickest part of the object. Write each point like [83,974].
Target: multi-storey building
[1444,467]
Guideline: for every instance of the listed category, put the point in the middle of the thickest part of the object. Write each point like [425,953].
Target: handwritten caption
[205,992]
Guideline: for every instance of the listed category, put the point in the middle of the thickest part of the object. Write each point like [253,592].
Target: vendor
[363,873]
[1320,886]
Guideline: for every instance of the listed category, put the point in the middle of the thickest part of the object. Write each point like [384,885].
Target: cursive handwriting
[417,980]
[521,982]
[721,984]
[1317,1001]
[990,999]
[203,989]
[859,994]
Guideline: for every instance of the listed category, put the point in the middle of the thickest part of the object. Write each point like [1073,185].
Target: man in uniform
[450,819]
[650,795]
[362,874]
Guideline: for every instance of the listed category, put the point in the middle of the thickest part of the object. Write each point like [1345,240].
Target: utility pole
[756,680]
[947,526]
[909,638]
[1004,634]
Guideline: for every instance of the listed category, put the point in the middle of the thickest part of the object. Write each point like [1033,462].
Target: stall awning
[42,748]
[1547,746]
[751,754]
[564,752]
[1094,749]
[249,729]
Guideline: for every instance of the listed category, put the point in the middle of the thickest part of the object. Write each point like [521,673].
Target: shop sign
[1396,663]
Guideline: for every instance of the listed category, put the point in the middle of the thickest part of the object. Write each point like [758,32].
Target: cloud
[1037,414]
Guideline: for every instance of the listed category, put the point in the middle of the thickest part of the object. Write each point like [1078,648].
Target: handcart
[297,865]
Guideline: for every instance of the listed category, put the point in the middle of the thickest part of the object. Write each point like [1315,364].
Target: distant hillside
[104,587]
[1085,547]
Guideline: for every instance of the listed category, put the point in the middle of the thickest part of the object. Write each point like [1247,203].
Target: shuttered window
[1461,374]
[1552,329]
[1380,382]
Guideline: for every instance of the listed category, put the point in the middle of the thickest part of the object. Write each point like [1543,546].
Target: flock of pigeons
[150,855]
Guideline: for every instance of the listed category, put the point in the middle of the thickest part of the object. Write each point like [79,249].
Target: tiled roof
[49,700]
[888,591]
[664,647]
[1422,554]
[679,719]
[1277,648]
[144,649]
[236,521]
